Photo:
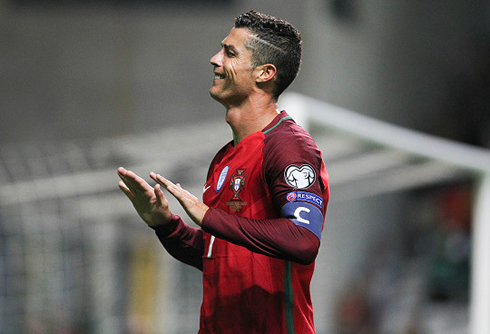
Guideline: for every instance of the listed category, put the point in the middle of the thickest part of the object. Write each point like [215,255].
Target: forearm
[183,242]
[279,238]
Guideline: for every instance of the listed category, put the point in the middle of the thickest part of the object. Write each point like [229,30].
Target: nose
[216,60]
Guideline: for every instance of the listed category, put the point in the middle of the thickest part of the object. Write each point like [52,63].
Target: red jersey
[258,241]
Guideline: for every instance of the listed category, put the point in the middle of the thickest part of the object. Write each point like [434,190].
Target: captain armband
[304,214]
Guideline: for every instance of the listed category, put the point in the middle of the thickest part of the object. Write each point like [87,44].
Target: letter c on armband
[297,213]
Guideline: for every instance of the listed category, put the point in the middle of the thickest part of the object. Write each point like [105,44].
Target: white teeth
[218,76]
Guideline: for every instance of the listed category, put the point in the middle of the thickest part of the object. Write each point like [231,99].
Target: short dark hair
[277,42]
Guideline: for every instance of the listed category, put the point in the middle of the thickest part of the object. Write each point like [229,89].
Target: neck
[251,118]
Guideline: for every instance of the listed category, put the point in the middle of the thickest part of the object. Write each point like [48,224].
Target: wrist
[167,227]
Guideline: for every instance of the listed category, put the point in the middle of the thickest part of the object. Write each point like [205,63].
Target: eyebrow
[229,47]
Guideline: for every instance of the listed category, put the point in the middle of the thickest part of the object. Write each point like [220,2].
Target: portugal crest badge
[237,184]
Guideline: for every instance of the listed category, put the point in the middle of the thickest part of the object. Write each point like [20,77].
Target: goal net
[74,255]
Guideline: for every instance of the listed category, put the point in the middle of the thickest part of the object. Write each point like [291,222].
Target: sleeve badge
[300,177]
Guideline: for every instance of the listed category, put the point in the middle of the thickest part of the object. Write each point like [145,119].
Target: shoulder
[288,139]
[289,147]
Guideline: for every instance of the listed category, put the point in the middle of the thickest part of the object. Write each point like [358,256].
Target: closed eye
[229,50]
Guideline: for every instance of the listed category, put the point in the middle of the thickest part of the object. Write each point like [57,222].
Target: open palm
[150,203]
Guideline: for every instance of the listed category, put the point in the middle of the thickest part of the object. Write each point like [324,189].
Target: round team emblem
[300,177]
[291,197]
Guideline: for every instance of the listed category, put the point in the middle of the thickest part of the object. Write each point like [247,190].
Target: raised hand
[149,202]
[193,206]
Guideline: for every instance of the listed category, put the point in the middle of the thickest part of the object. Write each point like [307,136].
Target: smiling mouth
[219,76]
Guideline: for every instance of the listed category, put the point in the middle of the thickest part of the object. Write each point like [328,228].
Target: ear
[266,73]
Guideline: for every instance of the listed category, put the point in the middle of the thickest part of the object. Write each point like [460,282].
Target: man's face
[234,77]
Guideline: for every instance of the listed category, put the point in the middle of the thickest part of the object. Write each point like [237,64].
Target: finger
[126,190]
[160,198]
[163,181]
[133,181]
[123,174]
[153,175]
[182,195]
[178,192]
[194,208]
[121,170]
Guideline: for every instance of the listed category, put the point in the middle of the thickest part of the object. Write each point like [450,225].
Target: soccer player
[265,197]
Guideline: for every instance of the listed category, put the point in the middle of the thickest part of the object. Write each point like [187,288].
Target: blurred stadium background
[87,86]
